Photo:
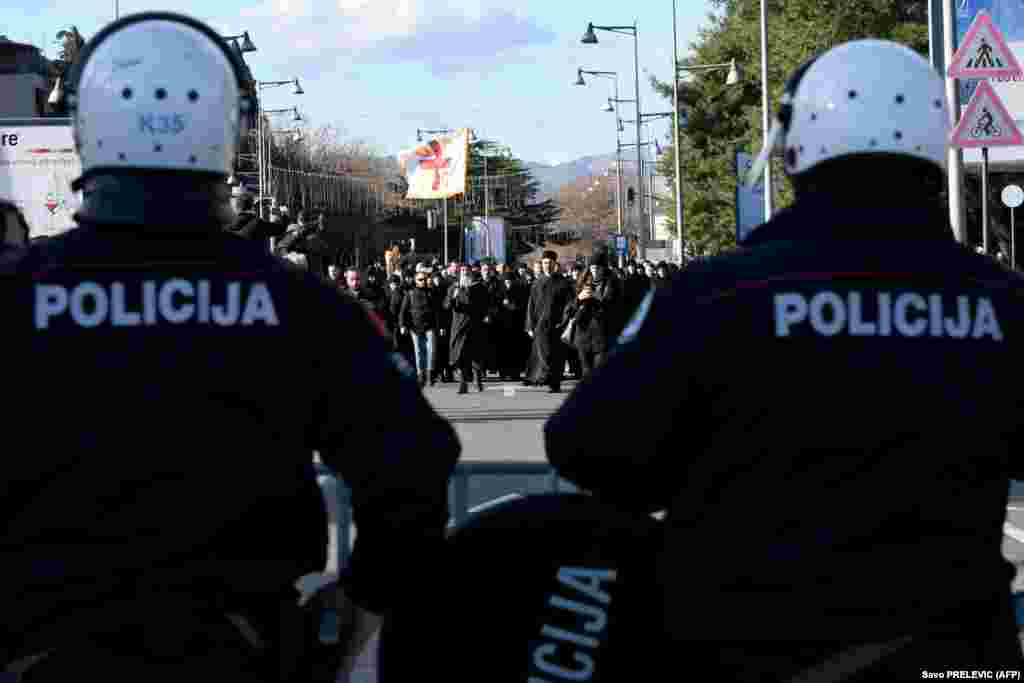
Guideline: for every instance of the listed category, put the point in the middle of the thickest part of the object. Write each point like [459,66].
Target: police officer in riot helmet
[831,417]
[247,224]
[162,505]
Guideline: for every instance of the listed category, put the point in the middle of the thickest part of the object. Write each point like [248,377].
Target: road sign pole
[1013,241]
[984,199]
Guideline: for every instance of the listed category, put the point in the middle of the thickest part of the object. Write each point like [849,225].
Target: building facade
[24,80]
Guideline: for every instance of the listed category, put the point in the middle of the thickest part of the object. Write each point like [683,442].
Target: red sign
[986,123]
[984,53]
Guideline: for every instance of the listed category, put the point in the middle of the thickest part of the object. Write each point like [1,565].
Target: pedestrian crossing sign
[985,122]
[984,53]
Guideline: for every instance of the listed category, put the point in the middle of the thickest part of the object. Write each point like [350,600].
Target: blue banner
[749,200]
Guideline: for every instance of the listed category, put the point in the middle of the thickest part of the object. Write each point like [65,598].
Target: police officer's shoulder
[322,300]
[723,271]
[54,252]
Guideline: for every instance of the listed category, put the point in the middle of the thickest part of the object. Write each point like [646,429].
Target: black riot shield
[545,588]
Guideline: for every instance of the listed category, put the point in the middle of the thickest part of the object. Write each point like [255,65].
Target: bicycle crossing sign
[986,123]
[984,53]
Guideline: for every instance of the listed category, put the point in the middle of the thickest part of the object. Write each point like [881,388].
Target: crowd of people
[536,322]
[530,323]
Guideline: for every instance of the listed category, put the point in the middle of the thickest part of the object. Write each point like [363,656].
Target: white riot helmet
[157,91]
[861,97]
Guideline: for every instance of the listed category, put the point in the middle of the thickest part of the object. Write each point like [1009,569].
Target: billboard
[485,238]
[749,199]
[37,164]
[436,169]
[1008,16]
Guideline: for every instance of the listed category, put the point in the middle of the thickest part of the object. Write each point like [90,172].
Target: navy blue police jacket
[165,395]
[828,416]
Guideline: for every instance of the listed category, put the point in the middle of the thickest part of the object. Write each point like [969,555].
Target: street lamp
[260,161]
[590,38]
[618,129]
[296,116]
[732,78]
[765,123]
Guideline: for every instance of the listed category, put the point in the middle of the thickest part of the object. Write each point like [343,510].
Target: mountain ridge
[552,177]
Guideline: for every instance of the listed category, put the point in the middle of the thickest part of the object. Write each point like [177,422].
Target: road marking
[510,391]
[1013,532]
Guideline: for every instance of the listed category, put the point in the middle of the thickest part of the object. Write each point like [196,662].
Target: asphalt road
[503,423]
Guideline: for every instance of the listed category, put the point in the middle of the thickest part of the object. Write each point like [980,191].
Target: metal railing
[471,485]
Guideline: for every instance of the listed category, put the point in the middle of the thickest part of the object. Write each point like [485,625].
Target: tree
[512,193]
[723,117]
[323,151]
[515,191]
[588,203]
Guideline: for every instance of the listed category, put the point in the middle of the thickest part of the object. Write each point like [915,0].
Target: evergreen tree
[724,117]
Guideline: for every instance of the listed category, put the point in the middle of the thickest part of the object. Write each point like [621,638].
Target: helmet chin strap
[757,168]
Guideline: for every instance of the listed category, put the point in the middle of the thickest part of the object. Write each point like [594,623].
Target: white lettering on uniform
[204,301]
[583,582]
[986,323]
[902,319]
[958,327]
[51,300]
[541,654]
[858,327]
[227,314]
[149,302]
[120,316]
[168,310]
[176,302]
[910,314]
[100,304]
[790,309]
[836,321]
[259,305]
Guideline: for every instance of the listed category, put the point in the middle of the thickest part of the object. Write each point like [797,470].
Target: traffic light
[630,196]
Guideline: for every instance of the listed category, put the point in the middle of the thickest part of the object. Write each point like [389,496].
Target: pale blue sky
[380,69]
